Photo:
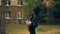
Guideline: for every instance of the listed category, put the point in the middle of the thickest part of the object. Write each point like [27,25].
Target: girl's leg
[32,30]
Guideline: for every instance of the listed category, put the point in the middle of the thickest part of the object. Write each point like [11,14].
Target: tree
[2,22]
[56,11]
[53,10]
[33,3]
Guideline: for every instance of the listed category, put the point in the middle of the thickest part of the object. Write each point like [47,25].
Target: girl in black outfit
[34,18]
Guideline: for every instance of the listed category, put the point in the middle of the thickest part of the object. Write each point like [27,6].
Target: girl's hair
[37,10]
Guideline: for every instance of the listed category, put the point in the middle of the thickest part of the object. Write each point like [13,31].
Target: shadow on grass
[44,30]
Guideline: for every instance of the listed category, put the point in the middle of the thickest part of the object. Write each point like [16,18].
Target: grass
[23,29]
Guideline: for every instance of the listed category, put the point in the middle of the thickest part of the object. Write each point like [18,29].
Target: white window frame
[19,16]
[19,3]
[7,3]
[7,15]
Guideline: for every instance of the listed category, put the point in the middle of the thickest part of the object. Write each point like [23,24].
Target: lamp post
[49,15]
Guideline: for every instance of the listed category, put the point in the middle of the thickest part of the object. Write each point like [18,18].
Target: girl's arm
[31,16]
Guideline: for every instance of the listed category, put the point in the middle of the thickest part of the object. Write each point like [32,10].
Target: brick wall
[13,10]
[14,2]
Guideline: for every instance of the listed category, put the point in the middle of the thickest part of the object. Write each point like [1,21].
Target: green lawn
[23,29]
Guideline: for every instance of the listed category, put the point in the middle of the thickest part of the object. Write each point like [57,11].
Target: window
[7,15]
[7,2]
[19,15]
[20,2]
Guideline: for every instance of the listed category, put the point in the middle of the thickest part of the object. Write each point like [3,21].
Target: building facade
[13,10]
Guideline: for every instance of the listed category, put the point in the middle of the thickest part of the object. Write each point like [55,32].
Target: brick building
[13,10]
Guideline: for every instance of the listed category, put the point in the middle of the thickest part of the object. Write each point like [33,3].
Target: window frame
[7,15]
[7,2]
[20,3]
[20,16]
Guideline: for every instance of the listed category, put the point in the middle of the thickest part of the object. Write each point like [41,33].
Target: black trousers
[32,30]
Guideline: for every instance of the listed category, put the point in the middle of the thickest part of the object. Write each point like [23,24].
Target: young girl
[34,19]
